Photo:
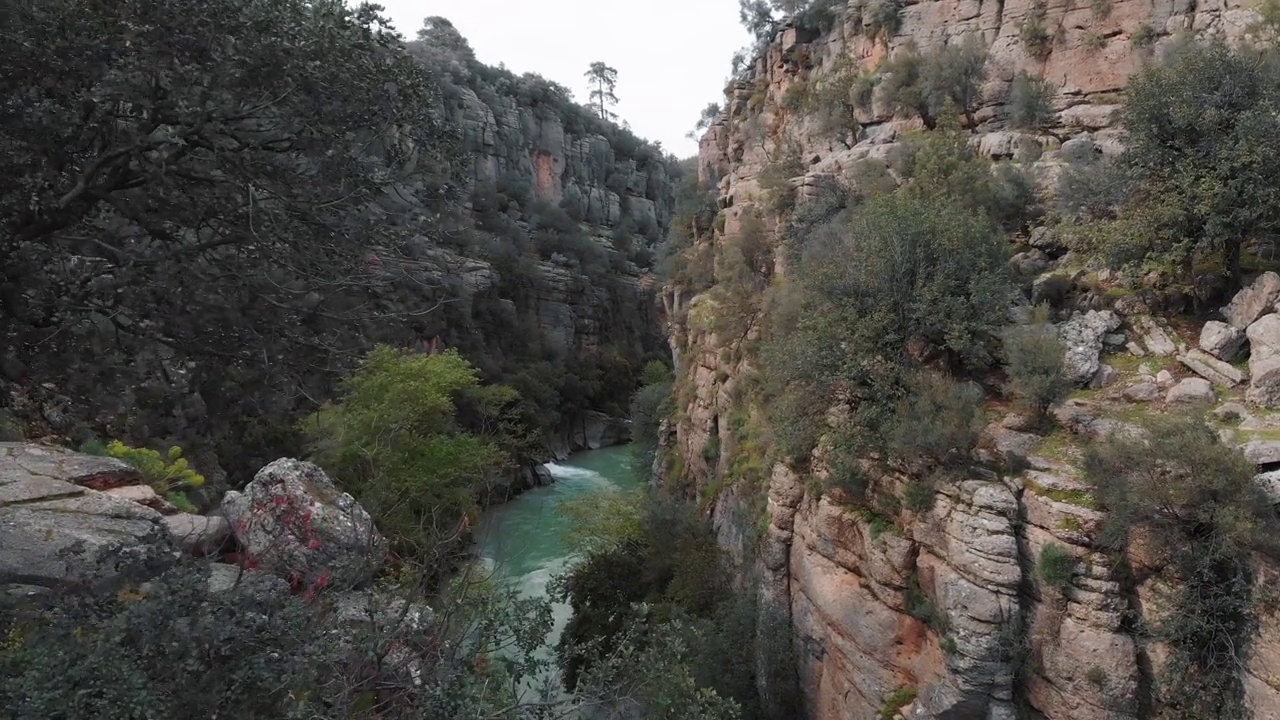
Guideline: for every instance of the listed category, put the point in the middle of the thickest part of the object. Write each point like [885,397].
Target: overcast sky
[672,56]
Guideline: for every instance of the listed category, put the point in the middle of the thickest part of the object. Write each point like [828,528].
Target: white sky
[672,56]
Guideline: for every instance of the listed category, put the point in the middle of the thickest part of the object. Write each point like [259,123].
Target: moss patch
[1079,498]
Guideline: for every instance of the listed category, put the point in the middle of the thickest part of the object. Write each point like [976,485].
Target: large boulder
[1212,369]
[1264,336]
[1221,340]
[1083,336]
[1191,391]
[1262,452]
[292,521]
[1254,301]
[1264,381]
[1155,338]
[54,530]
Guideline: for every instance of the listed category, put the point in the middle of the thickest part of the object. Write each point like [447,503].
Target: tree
[398,443]
[1030,102]
[757,17]
[604,81]
[708,116]
[924,83]
[1034,357]
[1201,130]
[205,199]
[899,281]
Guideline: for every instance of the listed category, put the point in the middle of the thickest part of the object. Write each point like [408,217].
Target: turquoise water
[523,539]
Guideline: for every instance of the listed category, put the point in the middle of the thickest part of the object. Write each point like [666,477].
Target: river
[523,539]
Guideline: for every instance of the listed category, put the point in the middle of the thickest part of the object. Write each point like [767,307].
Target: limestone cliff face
[946,603]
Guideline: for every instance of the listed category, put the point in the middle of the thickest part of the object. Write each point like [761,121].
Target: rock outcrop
[56,529]
[290,528]
[293,522]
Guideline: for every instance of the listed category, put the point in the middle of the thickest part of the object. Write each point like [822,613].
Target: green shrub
[1145,36]
[395,442]
[883,20]
[938,82]
[1034,32]
[711,451]
[1094,41]
[1096,676]
[900,267]
[1030,100]
[654,372]
[939,420]
[11,429]
[649,407]
[169,475]
[919,496]
[1091,188]
[941,166]
[1101,8]
[1034,359]
[1177,157]
[775,182]
[897,700]
[252,651]
[833,98]
[1056,566]
[919,606]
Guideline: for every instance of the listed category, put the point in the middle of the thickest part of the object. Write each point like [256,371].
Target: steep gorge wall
[946,604]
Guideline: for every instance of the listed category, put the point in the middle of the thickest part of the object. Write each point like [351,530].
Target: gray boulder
[1269,484]
[1212,369]
[1264,381]
[293,522]
[198,534]
[1142,392]
[1083,335]
[1253,301]
[1105,377]
[1154,338]
[1264,336]
[1191,391]
[53,530]
[1262,452]
[1221,340]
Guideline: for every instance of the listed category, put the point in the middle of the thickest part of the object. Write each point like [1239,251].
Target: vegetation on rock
[1180,500]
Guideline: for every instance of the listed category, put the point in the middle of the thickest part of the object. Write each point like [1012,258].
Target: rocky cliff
[940,613]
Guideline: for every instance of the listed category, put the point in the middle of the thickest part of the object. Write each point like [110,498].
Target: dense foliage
[663,580]
[1197,180]
[418,440]
[172,650]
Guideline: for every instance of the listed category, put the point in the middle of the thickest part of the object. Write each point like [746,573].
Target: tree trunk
[1233,250]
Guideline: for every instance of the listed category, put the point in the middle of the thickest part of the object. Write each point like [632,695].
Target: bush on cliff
[417,439]
[899,282]
[936,82]
[1201,125]
[1034,356]
[1186,505]
[642,584]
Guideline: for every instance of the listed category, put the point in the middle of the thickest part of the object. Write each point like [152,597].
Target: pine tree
[604,80]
